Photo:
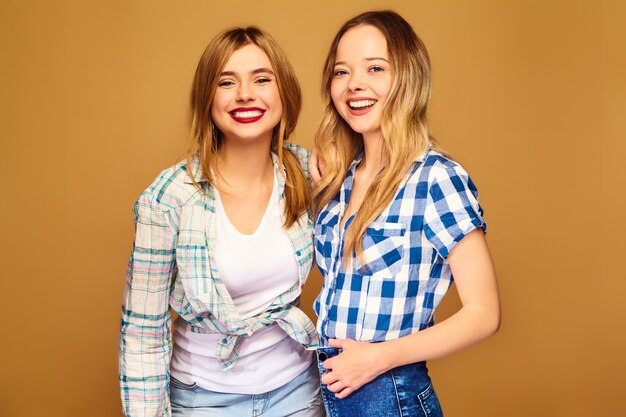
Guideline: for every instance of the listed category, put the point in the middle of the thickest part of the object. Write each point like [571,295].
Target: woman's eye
[339,73]
[263,80]
[225,83]
[376,68]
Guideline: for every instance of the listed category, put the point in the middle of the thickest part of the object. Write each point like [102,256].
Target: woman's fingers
[315,166]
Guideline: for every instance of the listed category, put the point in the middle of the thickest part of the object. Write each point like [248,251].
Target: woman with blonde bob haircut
[397,219]
[225,240]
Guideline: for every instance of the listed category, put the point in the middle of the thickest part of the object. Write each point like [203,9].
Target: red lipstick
[246,114]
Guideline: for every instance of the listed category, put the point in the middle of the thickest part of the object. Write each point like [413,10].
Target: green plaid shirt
[172,265]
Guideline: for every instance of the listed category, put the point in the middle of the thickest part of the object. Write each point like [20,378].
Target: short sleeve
[452,209]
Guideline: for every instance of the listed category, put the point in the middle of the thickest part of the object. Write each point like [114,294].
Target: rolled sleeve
[452,209]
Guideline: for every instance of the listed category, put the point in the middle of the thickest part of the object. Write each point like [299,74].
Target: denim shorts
[405,391]
[298,398]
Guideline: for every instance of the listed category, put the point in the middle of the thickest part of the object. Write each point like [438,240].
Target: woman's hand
[358,364]
[316,166]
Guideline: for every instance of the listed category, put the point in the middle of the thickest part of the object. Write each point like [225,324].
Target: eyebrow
[366,59]
[256,71]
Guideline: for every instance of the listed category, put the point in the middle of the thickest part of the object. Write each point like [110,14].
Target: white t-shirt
[255,268]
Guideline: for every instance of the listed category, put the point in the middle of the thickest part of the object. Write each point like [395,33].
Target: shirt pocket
[323,241]
[194,276]
[383,250]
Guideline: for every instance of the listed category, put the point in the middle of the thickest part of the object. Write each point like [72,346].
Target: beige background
[530,96]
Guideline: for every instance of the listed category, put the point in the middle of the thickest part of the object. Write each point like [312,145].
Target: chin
[363,130]
[362,126]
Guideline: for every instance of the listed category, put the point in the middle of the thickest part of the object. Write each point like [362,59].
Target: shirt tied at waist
[292,320]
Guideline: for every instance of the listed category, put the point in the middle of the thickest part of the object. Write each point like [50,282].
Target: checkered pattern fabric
[405,272]
[172,267]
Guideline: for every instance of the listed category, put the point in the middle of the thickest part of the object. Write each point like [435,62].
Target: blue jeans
[405,391]
[298,398]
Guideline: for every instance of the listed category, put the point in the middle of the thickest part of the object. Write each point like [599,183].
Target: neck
[245,165]
[373,161]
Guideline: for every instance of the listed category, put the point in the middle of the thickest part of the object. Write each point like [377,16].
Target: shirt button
[297,253]
[224,340]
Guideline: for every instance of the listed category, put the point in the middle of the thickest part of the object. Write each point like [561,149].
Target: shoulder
[302,154]
[435,167]
[172,188]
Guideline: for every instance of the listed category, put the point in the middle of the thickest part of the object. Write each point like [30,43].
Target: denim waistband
[324,353]
[402,391]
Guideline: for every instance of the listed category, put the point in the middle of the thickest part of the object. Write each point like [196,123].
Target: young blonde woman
[397,219]
[225,240]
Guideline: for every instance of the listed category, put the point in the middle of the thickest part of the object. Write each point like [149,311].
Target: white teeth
[247,114]
[361,103]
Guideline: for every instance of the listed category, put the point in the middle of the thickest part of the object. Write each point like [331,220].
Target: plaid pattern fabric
[172,265]
[405,273]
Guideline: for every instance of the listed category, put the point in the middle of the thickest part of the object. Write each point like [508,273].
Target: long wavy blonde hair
[403,123]
[206,139]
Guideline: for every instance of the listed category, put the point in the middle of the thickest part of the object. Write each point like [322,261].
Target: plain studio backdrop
[529,96]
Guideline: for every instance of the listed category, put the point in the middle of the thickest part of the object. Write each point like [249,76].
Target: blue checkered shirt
[405,272]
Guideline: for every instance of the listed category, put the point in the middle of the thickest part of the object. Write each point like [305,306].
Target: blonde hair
[206,139]
[403,123]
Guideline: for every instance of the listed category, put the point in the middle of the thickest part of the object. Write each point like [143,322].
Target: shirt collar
[194,171]
[357,159]
[422,157]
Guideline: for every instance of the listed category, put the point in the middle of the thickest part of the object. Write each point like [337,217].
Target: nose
[355,83]
[244,92]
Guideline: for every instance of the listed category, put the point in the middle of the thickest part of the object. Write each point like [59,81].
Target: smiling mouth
[361,104]
[359,107]
[246,115]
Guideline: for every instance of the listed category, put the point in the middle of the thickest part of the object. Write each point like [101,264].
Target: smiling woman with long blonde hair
[397,219]
[225,240]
